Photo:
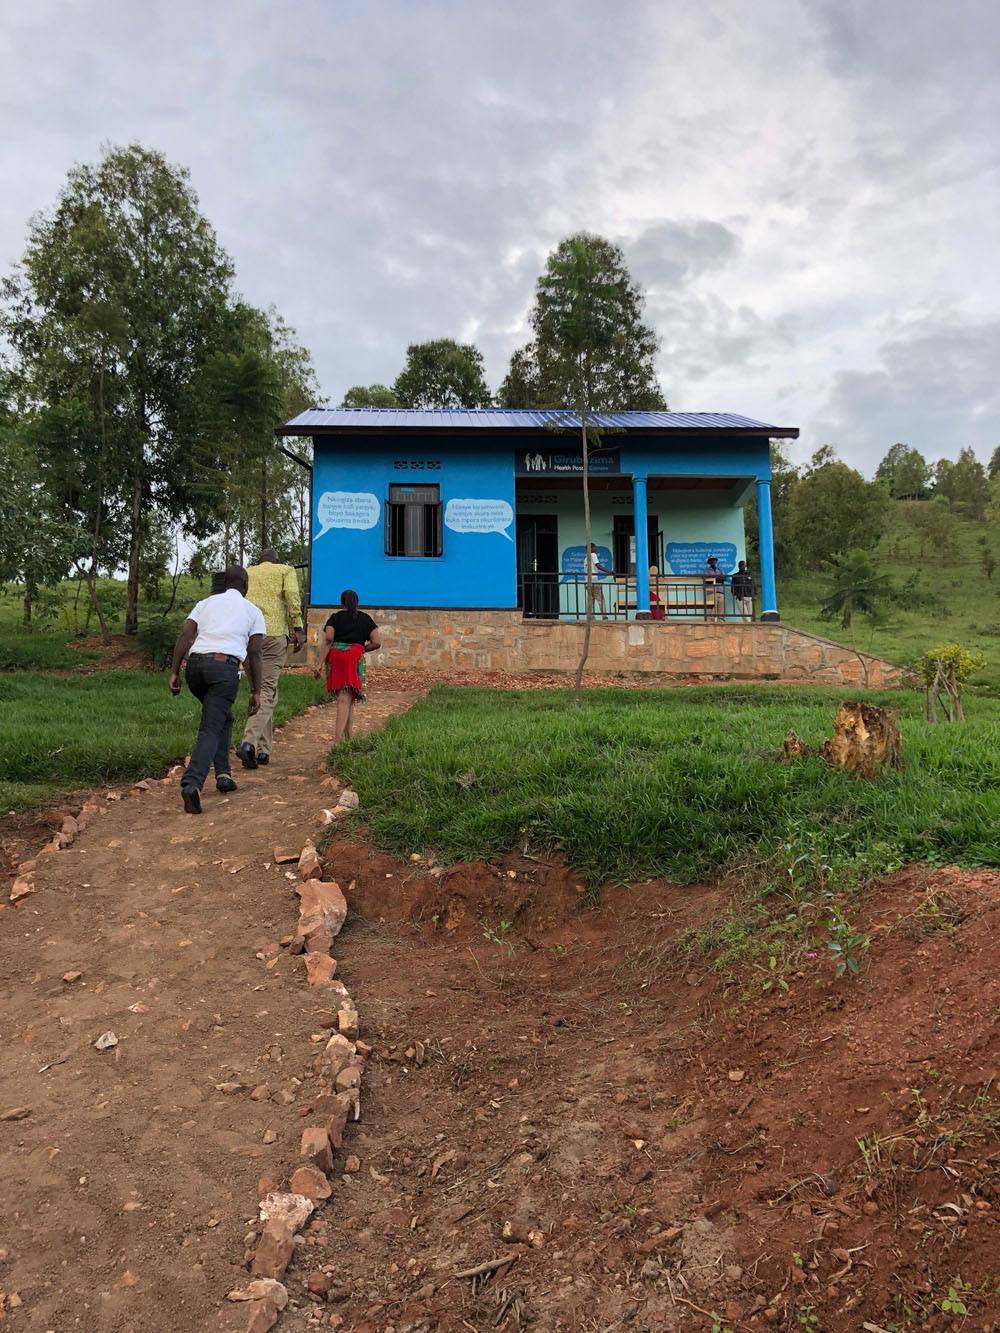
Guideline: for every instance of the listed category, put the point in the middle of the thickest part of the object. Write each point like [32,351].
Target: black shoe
[224,782]
[191,797]
[263,758]
[246,755]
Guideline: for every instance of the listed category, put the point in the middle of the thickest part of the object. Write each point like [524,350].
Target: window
[623,543]
[413,521]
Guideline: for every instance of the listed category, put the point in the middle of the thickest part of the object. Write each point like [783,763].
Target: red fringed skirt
[345,669]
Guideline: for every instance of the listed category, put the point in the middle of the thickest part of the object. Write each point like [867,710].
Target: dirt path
[128,1188]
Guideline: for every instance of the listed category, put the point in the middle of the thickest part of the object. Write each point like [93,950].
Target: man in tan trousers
[275,590]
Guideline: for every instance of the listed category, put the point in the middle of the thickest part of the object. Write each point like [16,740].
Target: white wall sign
[346,509]
[479,516]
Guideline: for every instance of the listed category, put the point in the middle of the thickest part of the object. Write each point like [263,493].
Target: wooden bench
[693,605]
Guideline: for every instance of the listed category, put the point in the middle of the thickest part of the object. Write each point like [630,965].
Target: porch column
[765,532]
[641,524]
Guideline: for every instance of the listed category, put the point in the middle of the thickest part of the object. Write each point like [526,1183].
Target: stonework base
[503,641]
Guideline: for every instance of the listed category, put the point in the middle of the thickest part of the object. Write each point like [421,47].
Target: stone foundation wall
[502,641]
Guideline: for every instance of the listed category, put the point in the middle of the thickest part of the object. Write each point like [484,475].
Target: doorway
[538,565]
[623,543]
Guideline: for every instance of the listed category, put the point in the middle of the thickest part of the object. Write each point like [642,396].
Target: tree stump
[795,748]
[865,740]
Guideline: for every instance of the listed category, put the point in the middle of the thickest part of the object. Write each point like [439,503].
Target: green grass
[61,733]
[954,600]
[687,783]
[41,651]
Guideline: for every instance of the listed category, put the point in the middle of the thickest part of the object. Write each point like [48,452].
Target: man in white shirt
[220,632]
[595,593]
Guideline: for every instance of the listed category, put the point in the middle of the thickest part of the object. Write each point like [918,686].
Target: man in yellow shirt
[275,590]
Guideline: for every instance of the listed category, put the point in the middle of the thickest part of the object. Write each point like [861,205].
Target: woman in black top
[348,635]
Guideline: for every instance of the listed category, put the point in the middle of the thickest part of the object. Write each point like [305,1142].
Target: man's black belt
[218,657]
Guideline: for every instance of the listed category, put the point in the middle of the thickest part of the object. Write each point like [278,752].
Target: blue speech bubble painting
[573,558]
[691,557]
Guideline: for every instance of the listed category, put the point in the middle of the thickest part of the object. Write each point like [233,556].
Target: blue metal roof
[323,420]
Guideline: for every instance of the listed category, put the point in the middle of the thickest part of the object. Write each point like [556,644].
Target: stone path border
[24,882]
[337,1101]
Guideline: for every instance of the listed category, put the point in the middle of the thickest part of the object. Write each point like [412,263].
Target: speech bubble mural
[479,516]
[574,563]
[346,509]
[691,557]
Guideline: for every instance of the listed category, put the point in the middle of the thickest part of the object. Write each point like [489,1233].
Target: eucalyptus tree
[591,354]
[121,297]
[621,349]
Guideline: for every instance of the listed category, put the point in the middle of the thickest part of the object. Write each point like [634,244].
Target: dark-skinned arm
[320,668]
[255,668]
[182,647]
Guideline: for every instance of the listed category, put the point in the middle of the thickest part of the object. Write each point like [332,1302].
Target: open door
[538,565]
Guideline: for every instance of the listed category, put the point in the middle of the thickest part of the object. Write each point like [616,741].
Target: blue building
[484,509]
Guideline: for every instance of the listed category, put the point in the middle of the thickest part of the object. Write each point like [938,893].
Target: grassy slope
[964,603]
[64,732]
[686,783]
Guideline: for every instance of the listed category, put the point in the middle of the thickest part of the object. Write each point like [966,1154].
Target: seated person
[657,611]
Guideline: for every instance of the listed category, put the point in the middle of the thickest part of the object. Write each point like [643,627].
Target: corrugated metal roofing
[338,419]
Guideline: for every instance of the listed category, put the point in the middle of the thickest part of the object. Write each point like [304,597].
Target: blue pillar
[641,548]
[768,596]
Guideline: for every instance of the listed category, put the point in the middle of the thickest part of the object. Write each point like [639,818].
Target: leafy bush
[156,640]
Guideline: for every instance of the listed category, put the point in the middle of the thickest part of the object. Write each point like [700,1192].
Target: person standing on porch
[742,586]
[595,593]
[715,589]
[273,588]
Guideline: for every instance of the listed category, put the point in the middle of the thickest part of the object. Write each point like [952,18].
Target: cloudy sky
[807,189]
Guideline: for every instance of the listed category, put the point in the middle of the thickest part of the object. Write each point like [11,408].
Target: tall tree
[620,372]
[583,303]
[964,483]
[240,396]
[935,526]
[994,468]
[122,296]
[905,471]
[70,454]
[442,373]
[833,509]
[370,395]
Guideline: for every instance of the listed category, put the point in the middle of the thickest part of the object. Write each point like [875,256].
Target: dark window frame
[413,522]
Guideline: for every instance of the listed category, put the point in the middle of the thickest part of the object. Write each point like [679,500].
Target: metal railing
[559,596]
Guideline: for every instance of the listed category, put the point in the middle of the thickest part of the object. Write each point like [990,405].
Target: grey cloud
[937,390]
[671,253]
[395,172]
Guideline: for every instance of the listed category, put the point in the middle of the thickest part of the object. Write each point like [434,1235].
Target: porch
[654,570]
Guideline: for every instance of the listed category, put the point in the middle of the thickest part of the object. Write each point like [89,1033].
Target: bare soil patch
[120,653]
[629,1140]
[638,1143]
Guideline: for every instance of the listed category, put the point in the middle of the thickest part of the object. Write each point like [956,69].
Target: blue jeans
[215,685]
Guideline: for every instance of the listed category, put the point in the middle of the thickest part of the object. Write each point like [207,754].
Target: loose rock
[320,968]
[263,1316]
[316,1148]
[311,1182]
